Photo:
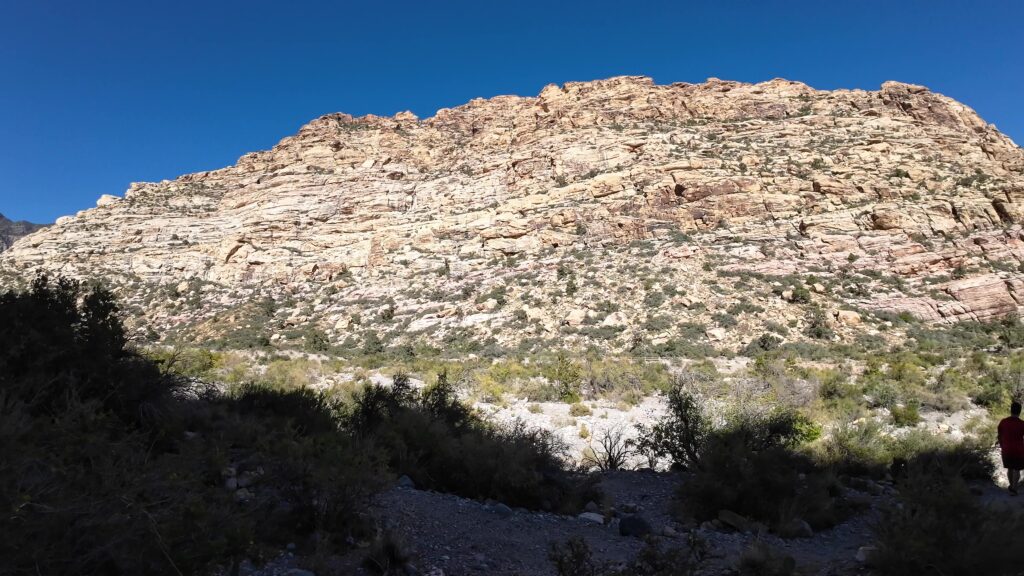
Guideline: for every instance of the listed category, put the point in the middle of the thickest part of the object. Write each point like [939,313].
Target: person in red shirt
[1011,441]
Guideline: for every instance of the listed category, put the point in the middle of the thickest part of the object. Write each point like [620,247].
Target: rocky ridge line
[763,179]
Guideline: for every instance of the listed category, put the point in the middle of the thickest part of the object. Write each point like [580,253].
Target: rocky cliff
[614,213]
[10,231]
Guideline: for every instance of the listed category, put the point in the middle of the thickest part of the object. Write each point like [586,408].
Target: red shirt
[1011,437]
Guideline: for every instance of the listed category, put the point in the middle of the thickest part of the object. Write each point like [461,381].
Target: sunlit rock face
[718,178]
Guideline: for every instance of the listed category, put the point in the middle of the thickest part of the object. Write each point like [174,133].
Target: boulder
[107,200]
[634,525]
[864,554]
[738,522]
[615,319]
[575,317]
[848,317]
[795,528]
[502,510]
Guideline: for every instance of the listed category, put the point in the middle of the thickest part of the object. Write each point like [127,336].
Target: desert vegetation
[114,465]
[186,460]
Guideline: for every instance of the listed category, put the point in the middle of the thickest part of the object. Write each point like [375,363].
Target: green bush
[817,325]
[906,415]
[748,467]
[859,450]
[680,435]
[190,362]
[764,343]
[579,409]
[564,374]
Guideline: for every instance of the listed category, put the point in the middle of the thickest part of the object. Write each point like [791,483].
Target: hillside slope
[11,231]
[616,213]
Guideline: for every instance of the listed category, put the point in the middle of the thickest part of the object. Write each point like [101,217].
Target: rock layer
[770,178]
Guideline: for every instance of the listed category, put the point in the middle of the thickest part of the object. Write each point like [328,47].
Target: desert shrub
[111,466]
[189,362]
[678,348]
[293,373]
[800,295]
[929,453]
[435,440]
[622,379]
[749,467]
[316,340]
[654,299]
[760,559]
[938,526]
[579,409]
[564,375]
[62,343]
[388,556]
[838,394]
[724,319]
[609,449]
[857,450]
[372,344]
[680,435]
[316,478]
[764,343]
[574,558]
[817,325]
[905,415]
[304,410]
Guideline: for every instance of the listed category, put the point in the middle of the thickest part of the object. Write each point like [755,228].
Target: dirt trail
[458,537]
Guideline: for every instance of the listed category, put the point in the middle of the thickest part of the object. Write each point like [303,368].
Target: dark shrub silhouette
[110,467]
[434,439]
[938,526]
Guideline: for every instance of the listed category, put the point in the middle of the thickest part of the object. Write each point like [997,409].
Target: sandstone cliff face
[899,199]
[11,231]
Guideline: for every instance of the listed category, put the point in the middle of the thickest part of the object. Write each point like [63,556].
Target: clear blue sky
[94,95]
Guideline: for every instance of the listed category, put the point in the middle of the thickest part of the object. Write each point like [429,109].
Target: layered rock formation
[896,200]
[11,231]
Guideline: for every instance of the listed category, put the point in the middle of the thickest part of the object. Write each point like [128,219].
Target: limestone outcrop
[899,199]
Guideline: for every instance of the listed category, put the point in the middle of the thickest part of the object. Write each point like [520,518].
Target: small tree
[565,375]
[611,451]
[680,435]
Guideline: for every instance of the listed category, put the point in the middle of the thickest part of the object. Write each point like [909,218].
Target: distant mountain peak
[11,231]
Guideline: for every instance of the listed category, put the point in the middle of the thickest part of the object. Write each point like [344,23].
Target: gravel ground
[455,536]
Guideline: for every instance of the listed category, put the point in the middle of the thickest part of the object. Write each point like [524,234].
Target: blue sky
[95,95]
